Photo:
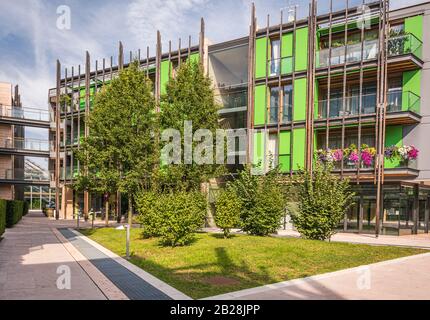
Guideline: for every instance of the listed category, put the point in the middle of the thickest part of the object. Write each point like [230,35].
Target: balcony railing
[397,45]
[25,144]
[280,66]
[396,101]
[233,100]
[273,114]
[24,175]
[69,173]
[24,113]
[347,165]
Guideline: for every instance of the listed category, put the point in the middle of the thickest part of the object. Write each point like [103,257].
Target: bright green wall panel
[414,25]
[299,137]
[284,142]
[411,83]
[259,148]
[164,75]
[301,54]
[299,96]
[260,105]
[393,137]
[260,57]
[287,45]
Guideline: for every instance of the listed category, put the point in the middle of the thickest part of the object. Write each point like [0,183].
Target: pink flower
[367,158]
[413,153]
[353,157]
[338,155]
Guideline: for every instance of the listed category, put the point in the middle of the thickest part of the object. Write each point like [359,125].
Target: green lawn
[213,265]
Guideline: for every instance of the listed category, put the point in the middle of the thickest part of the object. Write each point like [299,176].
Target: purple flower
[338,155]
[367,158]
[413,153]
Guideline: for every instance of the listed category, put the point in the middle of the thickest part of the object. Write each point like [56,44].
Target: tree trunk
[107,210]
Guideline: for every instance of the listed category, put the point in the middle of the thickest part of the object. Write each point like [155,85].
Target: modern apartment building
[22,175]
[347,87]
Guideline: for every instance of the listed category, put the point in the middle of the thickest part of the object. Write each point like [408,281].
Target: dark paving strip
[134,287]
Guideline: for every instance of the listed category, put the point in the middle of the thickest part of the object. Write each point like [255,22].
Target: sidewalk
[421,241]
[402,279]
[30,254]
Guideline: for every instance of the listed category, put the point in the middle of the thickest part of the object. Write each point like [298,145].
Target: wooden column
[57,143]
[251,84]
[87,113]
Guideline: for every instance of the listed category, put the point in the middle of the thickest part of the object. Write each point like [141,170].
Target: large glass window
[274,105]
[275,57]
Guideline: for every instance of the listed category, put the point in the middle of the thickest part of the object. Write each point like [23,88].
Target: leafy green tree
[228,207]
[323,199]
[263,201]
[189,97]
[120,153]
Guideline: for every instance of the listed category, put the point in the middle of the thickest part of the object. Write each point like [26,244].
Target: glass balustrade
[24,113]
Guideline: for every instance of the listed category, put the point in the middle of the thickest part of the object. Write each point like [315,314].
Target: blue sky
[30,42]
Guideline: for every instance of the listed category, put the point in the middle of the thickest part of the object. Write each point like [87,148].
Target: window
[275,63]
[287,103]
[274,105]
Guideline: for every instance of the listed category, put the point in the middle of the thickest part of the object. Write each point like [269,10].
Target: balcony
[280,66]
[399,45]
[69,173]
[232,101]
[24,113]
[25,144]
[24,176]
[285,116]
[404,105]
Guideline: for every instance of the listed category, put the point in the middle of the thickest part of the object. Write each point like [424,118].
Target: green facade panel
[260,105]
[284,151]
[411,90]
[414,25]
[164,75]
[260,57]
[299,97]
[299,138]
[259,148]
[301,54]
[393,137]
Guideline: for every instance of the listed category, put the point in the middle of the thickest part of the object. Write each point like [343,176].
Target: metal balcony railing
[397,45]
[274,116]
[233,100]
[24,113]
[280,66]
[397,101]
[24,175]
[25,144]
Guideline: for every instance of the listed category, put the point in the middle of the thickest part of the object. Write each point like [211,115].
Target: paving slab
[30,255]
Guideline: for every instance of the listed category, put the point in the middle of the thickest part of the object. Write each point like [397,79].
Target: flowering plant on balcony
[404,153]
[367,155]
[330,155]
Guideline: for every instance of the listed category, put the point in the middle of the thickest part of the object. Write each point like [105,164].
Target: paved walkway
[421,241]
[404,279]
[30,255]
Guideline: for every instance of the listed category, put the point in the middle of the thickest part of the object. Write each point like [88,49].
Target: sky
[31,39]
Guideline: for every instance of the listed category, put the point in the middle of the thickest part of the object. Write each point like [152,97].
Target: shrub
[173,217]
[3,205]
[263,201]
[228,207]
[14,212]
[25,208]
[323,199]
[149,216]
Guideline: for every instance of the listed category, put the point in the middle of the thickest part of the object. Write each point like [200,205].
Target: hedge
[26,208]
[14,211]
[3,205]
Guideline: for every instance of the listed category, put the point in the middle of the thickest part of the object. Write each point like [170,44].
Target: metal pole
[127,242]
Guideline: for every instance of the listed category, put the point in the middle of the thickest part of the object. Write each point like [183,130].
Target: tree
[263,201]
[228,206]
[120,153]
[189,97]
[323,199]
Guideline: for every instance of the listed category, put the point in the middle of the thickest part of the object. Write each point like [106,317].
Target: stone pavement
[404,279]
[30,255]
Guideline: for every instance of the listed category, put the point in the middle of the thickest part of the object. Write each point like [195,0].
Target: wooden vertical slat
[251,84]
[57,143]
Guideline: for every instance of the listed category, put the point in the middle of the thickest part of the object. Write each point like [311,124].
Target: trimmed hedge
[14,211]
[26,208]
[3,206]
